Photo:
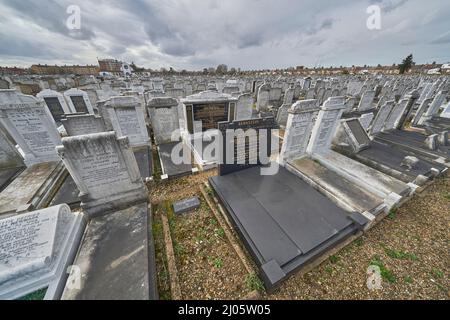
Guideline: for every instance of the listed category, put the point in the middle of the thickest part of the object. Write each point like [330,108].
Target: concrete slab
[116,258]
[342,189]
[168,167]
[281,218]
[34,187]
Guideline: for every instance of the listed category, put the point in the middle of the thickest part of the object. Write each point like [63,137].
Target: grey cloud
[442,39]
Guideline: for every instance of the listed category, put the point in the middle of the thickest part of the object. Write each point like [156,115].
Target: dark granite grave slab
[168,167]
[68,194]
[144,160]
[413,141]
[8,175]
[116,258]
[283,221]
[385,158]
[186,205]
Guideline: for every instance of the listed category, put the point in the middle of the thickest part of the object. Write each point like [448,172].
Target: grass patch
[253,282]
[218,263]
[334,259]
[220,233]
[408,279]
[447,196]
[392,214]
[37,295]
[398,254]
[359,242]
[386,274]
[437,273]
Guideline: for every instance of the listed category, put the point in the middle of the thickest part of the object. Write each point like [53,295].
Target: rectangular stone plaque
[186,205]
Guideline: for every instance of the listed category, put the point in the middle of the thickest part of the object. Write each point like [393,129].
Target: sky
[246,34]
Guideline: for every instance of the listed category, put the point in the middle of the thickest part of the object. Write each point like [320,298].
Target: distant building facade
[76,69]
[13,71]
[110,65]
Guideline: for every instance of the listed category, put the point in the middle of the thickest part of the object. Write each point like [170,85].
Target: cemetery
[217,187]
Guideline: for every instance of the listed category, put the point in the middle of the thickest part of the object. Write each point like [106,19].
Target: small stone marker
[186,205]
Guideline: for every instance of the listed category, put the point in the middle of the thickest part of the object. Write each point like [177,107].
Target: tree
[222,69]
[406,64]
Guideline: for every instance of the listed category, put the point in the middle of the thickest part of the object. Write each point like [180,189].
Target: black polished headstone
[186,205]
[267,124]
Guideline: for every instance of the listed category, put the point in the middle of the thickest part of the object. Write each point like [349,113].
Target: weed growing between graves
[386,274]
[253,283]
[392,214]
[398,254]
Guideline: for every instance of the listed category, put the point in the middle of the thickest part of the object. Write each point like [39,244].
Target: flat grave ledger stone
[127,118]
[186,205]
[105,171]
[116,258]
[78,100]
[30,124]
[80,124]
[36,249]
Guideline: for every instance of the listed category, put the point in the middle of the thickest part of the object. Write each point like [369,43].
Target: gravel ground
[208,267]
[411,247]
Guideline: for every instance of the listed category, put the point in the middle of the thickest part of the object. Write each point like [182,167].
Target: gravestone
[164,118]
[36,248]
[288,97]
[56,104]
[366,120]
[105,171]
[298,129]
[433,109]
[30,124]
[282,114]
[263,99]
[380,119]
[247,152]
[244,107]
[420,111]
[78,100]
[127,119]
[326,125]
[446,112]
[80,124]
[186,205]
[394,119]
[366,102]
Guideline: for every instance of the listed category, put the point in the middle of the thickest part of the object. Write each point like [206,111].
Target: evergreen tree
[406,64]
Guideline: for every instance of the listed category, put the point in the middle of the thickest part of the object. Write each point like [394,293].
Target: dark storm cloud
[202,33]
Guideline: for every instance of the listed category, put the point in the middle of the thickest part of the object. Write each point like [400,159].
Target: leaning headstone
[396,115]
[298,129]
[78,100]
[326,125]
[366,120]
[433,109]
[80,124]
[380,119]
[288,97]
[282,115]
[366,102]
[36,248]
[30,124]
[105,171]
[56,104]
